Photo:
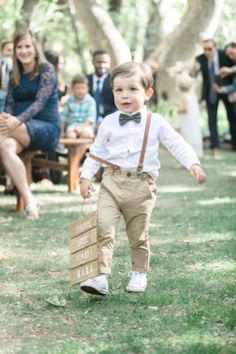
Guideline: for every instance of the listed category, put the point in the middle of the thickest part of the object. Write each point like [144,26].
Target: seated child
[125,189]
[79,113]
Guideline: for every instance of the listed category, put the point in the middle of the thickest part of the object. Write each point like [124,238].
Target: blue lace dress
[35,103]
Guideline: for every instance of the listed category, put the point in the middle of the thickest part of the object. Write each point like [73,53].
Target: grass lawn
[189,307]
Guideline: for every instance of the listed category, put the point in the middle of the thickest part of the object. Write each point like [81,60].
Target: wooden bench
[74,155]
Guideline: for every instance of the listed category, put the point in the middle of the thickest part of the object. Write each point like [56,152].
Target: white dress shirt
[121,145]
[216,63]
[101,80]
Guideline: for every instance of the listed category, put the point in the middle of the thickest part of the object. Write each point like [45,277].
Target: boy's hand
[86,188]
[197,173]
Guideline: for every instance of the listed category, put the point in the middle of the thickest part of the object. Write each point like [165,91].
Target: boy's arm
[197,173]
[63,126]
[63,117]
[90,166]
[86,188]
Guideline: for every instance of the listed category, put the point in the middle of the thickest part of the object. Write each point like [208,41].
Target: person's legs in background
[213,129]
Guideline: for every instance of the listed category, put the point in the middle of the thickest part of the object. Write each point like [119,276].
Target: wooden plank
[83,224]
[84,240]
[84,256]
[78,141]
[84,272]
[53,165]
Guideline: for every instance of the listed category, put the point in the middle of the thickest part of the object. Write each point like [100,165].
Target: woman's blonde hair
[17,66]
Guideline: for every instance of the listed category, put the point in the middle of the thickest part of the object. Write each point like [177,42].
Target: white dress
[189,123]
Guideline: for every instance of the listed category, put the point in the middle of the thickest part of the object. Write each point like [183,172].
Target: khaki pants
[133,196]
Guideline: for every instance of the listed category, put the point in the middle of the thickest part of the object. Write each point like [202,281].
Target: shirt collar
[143,111]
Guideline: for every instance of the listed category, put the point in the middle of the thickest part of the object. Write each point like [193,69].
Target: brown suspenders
[142,154]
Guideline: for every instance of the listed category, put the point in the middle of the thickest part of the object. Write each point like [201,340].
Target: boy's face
[80,90]
[129,94]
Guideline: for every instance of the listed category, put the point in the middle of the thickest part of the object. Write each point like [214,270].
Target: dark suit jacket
[223,61]
[107,98]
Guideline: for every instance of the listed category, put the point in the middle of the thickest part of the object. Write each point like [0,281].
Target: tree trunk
[101,31]
[27,11]
[153,36]
[180,44]
[80,50]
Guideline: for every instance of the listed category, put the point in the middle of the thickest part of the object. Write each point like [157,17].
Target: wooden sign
[83,224]
[84,249]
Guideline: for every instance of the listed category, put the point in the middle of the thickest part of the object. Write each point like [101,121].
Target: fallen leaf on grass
[55,301]
[153,307]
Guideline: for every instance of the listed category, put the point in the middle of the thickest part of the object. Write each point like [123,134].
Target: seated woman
[31,119]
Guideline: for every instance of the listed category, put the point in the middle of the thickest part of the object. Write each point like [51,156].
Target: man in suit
[230,51]
[209,63]
[99,85]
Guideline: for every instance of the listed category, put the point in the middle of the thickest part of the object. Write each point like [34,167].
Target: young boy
[79,113]
[124,189]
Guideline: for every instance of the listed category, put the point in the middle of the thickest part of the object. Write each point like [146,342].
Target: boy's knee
[138,242]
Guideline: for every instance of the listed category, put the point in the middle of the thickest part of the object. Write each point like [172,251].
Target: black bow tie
[124,118]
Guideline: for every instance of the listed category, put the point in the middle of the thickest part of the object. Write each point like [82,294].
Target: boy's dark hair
[134,69]
[79,79]
[99,52]
[5,43]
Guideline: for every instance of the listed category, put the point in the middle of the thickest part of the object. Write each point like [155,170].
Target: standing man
[99,85]
[209,63]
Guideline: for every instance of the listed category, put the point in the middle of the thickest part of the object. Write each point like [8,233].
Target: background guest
[189,114]
[57,61]
[99,85]
[229,90]
[79,114]
[30,120]
[6,64]
[209,63]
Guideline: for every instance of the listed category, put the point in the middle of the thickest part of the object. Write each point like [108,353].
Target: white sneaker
[137,283]
[96,286]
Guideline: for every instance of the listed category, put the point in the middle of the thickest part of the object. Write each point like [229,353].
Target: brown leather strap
[142,154]
[105,162]
[145,138]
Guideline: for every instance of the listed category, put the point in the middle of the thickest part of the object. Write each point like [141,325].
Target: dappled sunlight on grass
[189,304]
[218,266]
[195,341]
[196,238]
[231,174]
[178,189]
[217,200]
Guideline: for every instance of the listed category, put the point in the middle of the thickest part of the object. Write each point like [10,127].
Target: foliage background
[52,22]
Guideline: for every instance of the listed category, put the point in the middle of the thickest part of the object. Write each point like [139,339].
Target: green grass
[189,307]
